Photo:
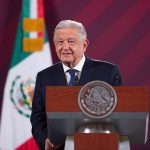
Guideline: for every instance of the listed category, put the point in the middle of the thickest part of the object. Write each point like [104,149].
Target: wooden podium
[130,117]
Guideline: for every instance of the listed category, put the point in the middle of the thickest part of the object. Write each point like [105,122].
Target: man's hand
[50,146]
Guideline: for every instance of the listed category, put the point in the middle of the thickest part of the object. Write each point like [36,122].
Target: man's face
[69,46]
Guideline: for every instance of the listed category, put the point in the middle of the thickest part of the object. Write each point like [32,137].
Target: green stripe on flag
[26,13]
[18,53]
[26,8]
[45,36]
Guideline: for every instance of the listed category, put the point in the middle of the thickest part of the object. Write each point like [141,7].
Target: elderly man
[74,68]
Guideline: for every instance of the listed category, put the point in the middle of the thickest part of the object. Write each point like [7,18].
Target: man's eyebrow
[58,39]
[71,38]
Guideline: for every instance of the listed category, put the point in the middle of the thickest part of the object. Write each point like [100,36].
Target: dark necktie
[73,80]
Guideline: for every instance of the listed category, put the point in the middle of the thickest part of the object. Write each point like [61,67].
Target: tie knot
[73,78]
[72,72]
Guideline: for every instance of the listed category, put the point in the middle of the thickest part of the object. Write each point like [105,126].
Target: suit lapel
[87,72]
[59,76]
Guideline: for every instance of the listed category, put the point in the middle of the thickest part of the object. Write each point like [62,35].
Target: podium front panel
[130,116]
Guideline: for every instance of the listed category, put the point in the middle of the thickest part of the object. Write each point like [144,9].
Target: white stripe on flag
[33,15]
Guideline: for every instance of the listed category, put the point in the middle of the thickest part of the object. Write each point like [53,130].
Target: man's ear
[85,44]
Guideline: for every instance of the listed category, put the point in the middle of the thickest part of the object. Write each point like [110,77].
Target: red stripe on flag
[120,28]
[40,14]
[28,145]
[40,8]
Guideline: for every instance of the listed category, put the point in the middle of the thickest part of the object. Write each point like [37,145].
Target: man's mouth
[66,53]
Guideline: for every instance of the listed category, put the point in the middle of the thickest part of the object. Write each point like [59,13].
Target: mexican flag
[31,54]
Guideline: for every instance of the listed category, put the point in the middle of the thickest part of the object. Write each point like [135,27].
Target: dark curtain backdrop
[118,31]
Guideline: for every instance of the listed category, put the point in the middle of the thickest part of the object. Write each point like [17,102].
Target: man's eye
[60,42]
[71,41]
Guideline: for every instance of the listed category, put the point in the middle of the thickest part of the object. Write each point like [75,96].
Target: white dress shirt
[78,67]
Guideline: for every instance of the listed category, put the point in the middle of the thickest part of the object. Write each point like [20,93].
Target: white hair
[72,24]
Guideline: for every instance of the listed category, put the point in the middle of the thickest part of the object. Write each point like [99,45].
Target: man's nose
[65,45]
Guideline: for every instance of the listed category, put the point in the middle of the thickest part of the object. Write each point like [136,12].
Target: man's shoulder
[51,68]
[101,63]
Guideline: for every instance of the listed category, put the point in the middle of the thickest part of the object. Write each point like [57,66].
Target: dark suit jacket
[55,76]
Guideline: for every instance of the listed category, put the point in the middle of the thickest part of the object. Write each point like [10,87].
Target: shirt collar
[78,67]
